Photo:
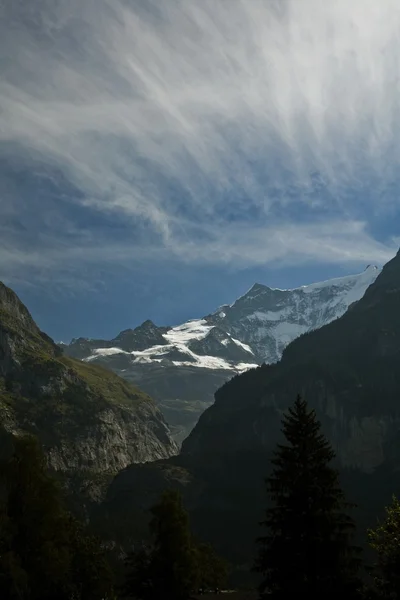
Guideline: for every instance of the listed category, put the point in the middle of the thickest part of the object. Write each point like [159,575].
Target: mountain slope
[269,319]
[348,370]
[86,417]
[183,366]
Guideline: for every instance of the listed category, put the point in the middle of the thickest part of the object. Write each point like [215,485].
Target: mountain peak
[145,335]
[147,324]
[17,323]
[258,286]
[12,306]
[255,290]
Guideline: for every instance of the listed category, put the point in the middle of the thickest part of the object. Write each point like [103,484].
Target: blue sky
[156,159]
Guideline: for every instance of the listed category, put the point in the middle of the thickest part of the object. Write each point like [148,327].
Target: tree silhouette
[44,552]
[307,549]
[174,565]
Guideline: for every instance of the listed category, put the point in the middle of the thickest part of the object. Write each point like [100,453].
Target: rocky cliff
[86,417]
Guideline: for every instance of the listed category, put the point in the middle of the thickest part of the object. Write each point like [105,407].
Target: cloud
[338,242]
[236,132]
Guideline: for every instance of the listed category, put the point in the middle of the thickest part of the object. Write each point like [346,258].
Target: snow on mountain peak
[195,329]
[255,328]
[183,366]
[267,319]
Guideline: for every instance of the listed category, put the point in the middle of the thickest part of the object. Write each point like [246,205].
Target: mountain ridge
[351,350]
[85,416]
[347,370]
[198,356]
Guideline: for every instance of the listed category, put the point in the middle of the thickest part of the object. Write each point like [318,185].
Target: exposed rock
[140,338]
[86,417]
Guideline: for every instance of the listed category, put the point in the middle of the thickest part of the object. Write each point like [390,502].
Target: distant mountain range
[181,367]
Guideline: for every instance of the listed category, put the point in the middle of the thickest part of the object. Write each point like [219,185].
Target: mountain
[87,418]
[181,367]
[348,370]
[269,319]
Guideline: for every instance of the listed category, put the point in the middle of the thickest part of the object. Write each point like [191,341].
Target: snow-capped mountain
[182,366]
[193,344]
[267,320]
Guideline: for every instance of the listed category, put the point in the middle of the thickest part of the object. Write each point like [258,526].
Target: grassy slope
[52,392]
[40,357]
[106,384]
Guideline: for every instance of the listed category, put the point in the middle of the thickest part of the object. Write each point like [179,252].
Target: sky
[158,158]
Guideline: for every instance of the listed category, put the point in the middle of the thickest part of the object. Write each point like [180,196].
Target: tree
[33,534]
[174,559]
[90,573]
[212,570]
[139,583]
[174,565]
[307,550]
[44,552]
[385,540]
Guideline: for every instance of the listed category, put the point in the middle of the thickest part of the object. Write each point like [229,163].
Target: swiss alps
[181,367]
[348,370]
[88,420]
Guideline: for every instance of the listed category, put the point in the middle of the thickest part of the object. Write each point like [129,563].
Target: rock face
[86,417]
[348,370]
[269,319]
[182,367]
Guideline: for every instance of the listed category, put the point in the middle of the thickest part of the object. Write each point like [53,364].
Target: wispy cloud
[230,131]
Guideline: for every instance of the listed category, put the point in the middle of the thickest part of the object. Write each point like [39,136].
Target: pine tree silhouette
[307,549]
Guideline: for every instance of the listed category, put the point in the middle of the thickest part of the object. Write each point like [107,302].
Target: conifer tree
[170,568]
[174,556]
[212,569]
[385,540]
[139,581]
[307,550]
[44,552]
[174,565]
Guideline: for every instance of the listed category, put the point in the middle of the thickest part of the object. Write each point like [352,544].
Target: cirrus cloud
[237,132]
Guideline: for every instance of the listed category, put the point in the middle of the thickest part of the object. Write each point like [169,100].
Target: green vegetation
[307,550]
[212,569]
[104,383]
[40,369]
[16,321]
[47,393]
[98,385]
[45,553]
[32,345]
[385,541]
[174,565]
